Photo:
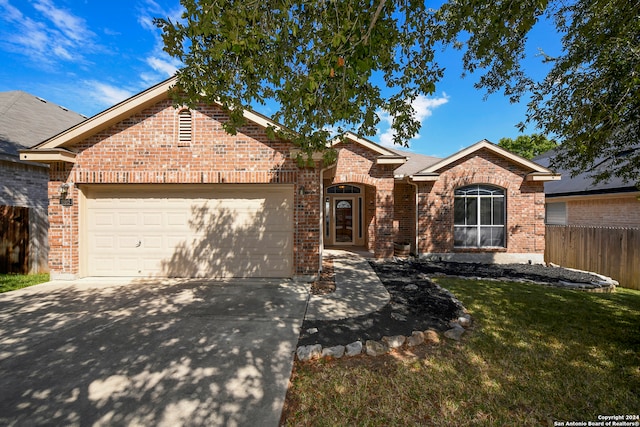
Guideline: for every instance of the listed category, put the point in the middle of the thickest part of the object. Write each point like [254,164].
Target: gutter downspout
[417,201]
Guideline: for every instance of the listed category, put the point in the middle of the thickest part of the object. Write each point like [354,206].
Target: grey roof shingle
[26,120]
[581,183]
[415,162]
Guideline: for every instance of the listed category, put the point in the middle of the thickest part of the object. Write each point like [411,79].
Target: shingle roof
[415,162]
[580,184]
[26,120]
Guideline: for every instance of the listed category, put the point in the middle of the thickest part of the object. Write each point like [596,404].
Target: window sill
[479,249]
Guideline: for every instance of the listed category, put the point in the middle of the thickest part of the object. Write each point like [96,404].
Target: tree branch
[376,15]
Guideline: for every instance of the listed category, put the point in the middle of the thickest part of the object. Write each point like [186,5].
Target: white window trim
[478,226]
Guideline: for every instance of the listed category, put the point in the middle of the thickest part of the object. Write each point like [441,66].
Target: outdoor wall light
[302,191]
[64,194]
[64,189]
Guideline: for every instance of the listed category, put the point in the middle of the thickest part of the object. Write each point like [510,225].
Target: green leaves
[315,58]
[528,146]
[338,64]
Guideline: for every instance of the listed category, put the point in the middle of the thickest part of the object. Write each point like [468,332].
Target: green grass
[535,355]
[10,282]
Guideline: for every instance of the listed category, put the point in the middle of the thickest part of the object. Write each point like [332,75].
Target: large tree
[528,146]
[333,66]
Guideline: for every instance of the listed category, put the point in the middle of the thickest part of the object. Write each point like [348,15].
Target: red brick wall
[525,204]
[405,213]
[144,148]
[357,164]
[63,224]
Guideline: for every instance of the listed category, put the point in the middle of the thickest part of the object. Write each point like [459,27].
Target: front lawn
[10,282]
[535,355]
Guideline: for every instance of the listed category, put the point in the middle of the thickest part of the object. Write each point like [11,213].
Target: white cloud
[107,94]
[161,63]
[54,34]
[72,27]
[11,13]
[167,65]
[34,36]
[423,108]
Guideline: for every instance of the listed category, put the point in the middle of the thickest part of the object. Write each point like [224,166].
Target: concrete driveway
[161,353]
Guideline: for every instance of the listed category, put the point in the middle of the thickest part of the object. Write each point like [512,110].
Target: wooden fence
[14,239]
[613,252]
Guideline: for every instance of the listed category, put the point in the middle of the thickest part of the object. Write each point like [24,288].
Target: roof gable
[50,149]
[538,172]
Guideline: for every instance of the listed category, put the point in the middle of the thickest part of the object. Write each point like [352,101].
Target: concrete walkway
[359,291]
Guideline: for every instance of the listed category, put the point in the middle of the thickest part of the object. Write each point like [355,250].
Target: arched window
[184,127]
[479,216]
[343,189]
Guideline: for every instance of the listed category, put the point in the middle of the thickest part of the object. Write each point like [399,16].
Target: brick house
[26,120]
[145,189]
[577,201]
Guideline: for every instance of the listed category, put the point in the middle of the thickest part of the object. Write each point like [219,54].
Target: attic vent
[63,108]
[41,99]
[184,127]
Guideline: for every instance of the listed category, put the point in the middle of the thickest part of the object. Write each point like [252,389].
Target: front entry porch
[345,220]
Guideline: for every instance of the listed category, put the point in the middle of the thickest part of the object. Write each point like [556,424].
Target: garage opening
[215,231]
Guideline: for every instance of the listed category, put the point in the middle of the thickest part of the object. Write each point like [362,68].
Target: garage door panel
[221,231]
[177,218]
[152,242]
[151,219]
[126,242]
[127,219]
[105,219]
[107,266]
[103,242]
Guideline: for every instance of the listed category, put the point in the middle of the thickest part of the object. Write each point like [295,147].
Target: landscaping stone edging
[375,348]
[430,336]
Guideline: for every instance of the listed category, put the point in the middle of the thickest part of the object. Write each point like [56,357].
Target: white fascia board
[536,176]
[48,156]
[424,178]
[397,160]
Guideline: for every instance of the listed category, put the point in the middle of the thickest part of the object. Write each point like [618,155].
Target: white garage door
[189,231]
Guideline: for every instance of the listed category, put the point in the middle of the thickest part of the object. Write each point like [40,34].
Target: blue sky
[87,55]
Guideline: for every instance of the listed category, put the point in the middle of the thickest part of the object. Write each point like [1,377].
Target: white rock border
[375,348]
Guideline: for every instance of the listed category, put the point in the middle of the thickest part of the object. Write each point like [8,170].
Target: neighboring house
[578,201]
[593,227]
[26,120]
[145,189]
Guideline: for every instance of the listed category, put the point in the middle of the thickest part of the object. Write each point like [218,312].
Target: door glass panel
[360,219]
[327,214]
[344,221]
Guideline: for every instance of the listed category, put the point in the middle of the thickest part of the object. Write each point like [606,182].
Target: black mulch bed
[427,307]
